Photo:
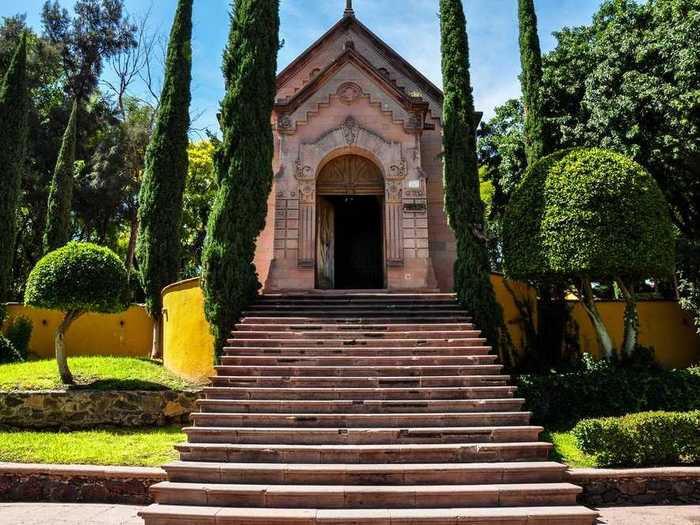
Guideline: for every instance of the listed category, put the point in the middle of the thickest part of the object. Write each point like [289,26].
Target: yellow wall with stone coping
[128,334]
[188,346]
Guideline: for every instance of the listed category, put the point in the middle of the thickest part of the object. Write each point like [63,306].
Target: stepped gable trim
[412,105]
[382,47]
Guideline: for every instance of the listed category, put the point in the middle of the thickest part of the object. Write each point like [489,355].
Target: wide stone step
[365,454]
[358,297]
[359,371]
[351,360]
[352,327]
[359,474]
[356,342]
[362,420]
[364,496]
[410,313]
[362,334]
[360,352]
[183,515]
[359,406]
[274,320]
[362,436]
[319,394]
[360,381]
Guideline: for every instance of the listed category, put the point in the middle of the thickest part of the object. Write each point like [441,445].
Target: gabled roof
[345,23]
[350,56]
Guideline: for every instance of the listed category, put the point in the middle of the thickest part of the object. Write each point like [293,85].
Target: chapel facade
[357,200]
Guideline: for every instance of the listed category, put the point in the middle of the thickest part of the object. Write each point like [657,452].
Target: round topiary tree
[77,279]
[587,215]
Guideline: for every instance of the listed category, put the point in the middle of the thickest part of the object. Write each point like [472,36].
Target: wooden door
[325,251]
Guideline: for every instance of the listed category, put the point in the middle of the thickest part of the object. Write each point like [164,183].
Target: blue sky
[409,26]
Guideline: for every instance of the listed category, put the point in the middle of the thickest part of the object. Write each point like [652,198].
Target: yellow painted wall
[128,334]
[664,326]
[188,346]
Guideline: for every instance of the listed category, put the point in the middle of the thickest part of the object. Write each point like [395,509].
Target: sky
[410,27]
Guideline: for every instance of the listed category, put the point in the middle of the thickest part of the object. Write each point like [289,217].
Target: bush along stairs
[381,409]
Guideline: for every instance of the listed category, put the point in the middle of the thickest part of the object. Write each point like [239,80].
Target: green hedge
[642,440]
[19,333]
[560,399]
[8,353]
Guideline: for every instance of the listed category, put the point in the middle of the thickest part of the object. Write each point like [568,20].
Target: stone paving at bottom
[84,514]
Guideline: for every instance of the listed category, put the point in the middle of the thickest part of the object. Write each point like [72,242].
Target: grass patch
[149,447]
[566,450]
[96,373]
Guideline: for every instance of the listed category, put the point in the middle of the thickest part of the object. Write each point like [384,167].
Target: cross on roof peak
[349,11]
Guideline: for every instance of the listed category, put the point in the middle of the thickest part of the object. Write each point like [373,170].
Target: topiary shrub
[77,279]
[585,215]
[642,440]
[19,332]
[8,352]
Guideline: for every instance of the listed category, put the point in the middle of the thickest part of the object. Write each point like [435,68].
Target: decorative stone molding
[349,92]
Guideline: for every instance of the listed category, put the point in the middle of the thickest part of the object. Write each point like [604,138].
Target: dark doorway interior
[359,261]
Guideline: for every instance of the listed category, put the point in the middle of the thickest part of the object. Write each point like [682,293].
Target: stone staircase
[379,409]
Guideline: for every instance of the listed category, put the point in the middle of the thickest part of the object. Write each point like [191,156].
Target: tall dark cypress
[461,177]
[14,107]
[537,140]
[158,250]
[57,232]
[244,164]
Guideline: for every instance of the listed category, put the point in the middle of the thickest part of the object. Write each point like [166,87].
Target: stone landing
[365,408]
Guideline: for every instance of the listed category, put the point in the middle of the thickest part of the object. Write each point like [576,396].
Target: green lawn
[150,447]
[566,449]
[98,373]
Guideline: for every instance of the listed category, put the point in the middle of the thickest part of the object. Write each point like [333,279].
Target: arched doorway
[349,217]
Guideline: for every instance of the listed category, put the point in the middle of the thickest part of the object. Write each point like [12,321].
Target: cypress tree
[537,141]
[243,163]
[14,107]
[461,178]
[57,232]
[158,250]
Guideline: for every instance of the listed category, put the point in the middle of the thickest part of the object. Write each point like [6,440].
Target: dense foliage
[158,249]
[8,352]
[80,277]
[537,140]
[588,213]
[642,440]
[58,216]
[243,164]
[19,333]
[461,179]
[14,107]
[607,389]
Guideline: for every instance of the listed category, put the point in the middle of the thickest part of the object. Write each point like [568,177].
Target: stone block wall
[75,410]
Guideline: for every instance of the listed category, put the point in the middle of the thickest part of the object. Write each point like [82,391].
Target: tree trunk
[157,349]
[588,301]
[631,337]
[60,346]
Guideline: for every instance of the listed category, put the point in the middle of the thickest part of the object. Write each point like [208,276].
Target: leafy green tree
[537,142]
[76,279]
[243,164]
[14,106]
[200,193]
[160,213]
[461,178]
[590,214]
[58,217]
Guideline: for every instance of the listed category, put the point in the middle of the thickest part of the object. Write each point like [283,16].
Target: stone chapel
[357,201]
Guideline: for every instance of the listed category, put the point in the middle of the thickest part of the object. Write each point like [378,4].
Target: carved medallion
[349,92]
[285,122]
[350,130]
